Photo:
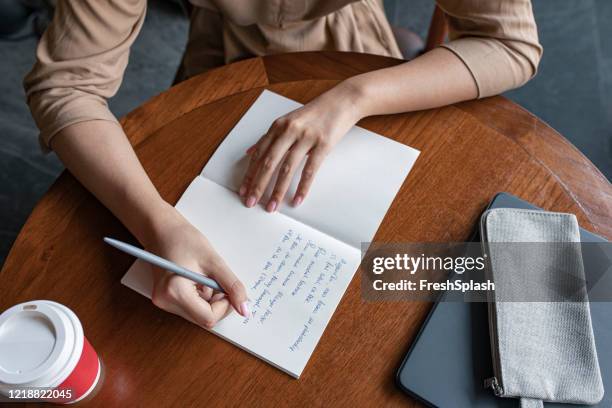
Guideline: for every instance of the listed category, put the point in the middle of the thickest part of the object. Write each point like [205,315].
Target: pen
[164,264]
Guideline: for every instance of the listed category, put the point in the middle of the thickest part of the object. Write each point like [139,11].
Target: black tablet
[450,358]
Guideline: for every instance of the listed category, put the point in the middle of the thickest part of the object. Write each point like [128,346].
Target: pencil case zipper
[495,382]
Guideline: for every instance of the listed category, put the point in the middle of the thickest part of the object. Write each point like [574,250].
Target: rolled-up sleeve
[80,61]
[496,39]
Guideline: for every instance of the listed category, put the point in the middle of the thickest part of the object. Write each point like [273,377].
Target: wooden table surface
[469,152]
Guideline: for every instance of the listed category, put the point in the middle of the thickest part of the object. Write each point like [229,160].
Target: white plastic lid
[40,344]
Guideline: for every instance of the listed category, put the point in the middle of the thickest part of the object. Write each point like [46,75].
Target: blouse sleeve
[80,61]
[496,39]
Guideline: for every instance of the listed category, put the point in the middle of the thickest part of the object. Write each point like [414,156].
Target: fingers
[286,171]
[201,312]
[266,167]
[217,296]
[205,292]
[232,286]
[181,296]
[256,152]
[251,149]
[283,147]
[315,159]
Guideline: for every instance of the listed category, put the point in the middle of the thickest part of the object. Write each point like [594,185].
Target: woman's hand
[100,156]
[183,244]
[434,79]
[312,130]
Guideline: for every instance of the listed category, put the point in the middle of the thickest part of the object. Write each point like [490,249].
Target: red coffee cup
[44,354]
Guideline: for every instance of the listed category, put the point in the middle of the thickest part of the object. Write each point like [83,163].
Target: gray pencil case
[542,341]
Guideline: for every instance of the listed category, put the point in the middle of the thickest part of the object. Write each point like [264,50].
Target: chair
[438,29]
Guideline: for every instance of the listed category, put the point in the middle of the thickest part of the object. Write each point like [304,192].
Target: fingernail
[244,309]
[271,206]
[251,201]
[297,200]
[242,191]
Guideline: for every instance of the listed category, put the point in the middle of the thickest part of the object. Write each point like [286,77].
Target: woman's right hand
[99,154]
[181,243]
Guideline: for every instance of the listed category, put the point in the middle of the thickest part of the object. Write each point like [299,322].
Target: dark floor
[572,92]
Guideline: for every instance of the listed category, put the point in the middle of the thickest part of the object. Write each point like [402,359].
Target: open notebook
[298,262]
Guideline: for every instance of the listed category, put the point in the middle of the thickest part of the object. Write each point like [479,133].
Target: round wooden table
[469,152]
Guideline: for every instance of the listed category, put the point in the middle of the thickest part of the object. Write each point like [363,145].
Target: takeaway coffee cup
[44,354]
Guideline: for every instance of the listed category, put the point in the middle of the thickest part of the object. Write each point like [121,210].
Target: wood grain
[469,152]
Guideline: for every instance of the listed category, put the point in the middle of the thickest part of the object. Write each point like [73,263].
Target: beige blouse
[83,53]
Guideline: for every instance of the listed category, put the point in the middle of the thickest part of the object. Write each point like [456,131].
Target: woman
[82,55]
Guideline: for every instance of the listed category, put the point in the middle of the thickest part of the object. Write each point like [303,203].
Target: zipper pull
[493,383]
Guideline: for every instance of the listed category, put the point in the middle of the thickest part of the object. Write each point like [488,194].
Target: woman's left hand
[312,131]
